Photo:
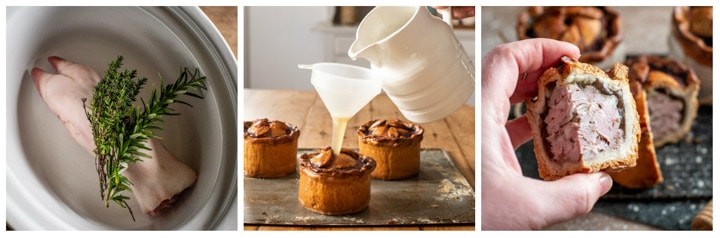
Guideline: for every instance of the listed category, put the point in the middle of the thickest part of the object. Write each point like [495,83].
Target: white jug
[424,69]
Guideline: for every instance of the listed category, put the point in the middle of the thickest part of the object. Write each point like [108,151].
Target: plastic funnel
[343,88]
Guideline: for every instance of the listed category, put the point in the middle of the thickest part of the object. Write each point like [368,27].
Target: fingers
[459,12]
[533,59]
[571,196]
[503,65]
[463,12]
[525,88]
[519,131]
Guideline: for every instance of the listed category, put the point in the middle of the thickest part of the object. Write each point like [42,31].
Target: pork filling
[582,121]
[665,113]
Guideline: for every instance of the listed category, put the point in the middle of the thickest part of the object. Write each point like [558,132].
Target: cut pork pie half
[583,120]
[647,172]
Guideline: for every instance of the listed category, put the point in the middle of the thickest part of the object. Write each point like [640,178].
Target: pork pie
[395,146]
[583,120]
[332,184]
[672,89]
[270,148]
[597,31]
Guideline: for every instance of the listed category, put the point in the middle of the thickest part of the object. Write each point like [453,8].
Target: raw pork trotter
[156,181]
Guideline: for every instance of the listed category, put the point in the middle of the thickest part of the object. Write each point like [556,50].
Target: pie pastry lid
[365,135]
[292,135]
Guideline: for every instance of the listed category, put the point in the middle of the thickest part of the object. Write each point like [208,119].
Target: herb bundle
[120,129]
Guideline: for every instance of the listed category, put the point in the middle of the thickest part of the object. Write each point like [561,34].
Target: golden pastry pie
[597,31]
[333,184]
[671,88]
[395,146]
[583,120]
[691,44]
[692,26]
[270,148]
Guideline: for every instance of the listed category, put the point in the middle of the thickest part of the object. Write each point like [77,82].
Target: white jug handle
[447,15]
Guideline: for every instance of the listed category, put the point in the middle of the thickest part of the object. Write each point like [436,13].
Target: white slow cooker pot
[51,180]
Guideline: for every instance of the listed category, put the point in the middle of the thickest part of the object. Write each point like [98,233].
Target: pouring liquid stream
[344,89]
[339,125]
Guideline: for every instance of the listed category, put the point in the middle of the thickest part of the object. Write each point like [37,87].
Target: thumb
[572,196]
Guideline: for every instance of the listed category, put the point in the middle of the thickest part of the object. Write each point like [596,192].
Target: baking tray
[687,171]
[438,195]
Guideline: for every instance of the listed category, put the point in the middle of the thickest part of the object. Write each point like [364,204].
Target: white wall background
[277,39]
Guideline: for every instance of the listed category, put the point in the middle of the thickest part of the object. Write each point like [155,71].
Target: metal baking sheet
[438,195]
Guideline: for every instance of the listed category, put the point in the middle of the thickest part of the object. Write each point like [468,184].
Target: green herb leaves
[120,129]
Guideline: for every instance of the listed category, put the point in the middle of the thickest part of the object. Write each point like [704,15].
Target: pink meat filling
[665,113]
[582,122]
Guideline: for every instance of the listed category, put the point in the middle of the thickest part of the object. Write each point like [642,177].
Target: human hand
[459,12]
[511,201]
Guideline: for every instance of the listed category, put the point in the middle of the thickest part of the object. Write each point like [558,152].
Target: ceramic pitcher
[424,69]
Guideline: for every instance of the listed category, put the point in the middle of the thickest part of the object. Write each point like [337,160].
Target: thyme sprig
[120,129]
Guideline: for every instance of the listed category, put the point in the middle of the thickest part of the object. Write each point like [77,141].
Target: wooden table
[455,134]
[225,20]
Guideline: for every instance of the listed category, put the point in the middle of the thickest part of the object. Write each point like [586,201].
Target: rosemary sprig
[120,129]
